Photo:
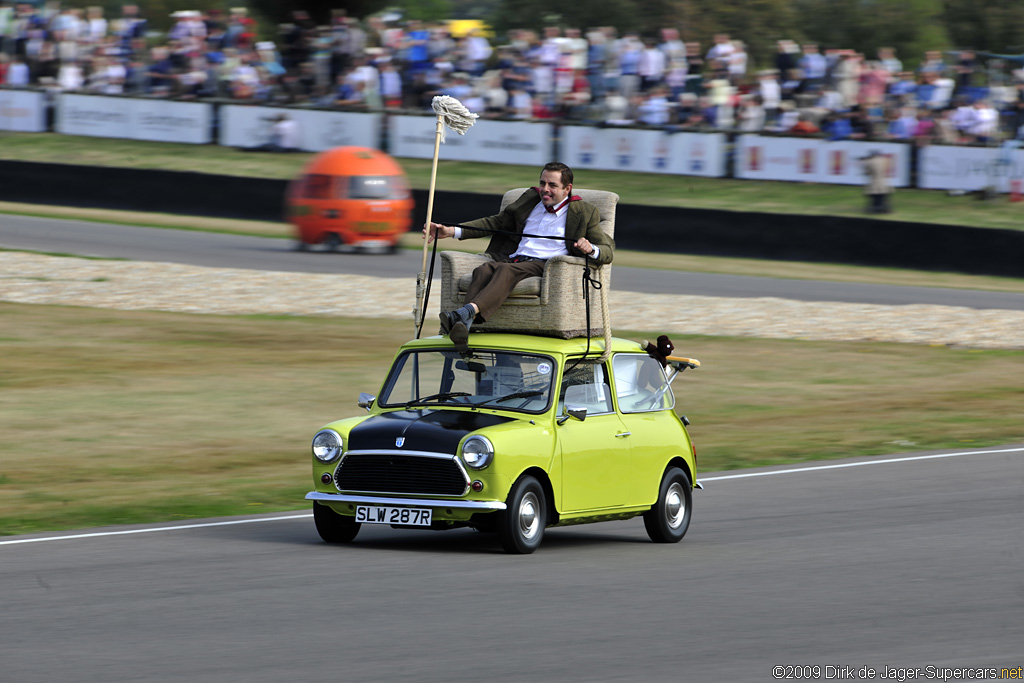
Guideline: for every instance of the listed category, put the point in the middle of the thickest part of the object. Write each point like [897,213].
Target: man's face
[552,192]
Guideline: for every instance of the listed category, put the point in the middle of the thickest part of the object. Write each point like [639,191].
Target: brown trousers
[494,281]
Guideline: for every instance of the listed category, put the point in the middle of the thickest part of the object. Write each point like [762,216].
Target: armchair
[551,305]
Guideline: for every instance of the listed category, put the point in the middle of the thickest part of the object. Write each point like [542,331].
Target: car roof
[528,343]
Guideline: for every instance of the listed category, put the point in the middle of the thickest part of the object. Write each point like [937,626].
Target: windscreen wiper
[435,397]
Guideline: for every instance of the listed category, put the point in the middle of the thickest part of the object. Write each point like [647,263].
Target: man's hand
[584,245]
[437,231]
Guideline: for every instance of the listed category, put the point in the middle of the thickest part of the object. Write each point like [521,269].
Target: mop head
[453,114]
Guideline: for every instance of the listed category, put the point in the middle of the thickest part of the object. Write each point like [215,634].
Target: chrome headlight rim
[331,448]
[477,452]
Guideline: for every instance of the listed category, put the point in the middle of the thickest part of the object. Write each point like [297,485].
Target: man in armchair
[546,221]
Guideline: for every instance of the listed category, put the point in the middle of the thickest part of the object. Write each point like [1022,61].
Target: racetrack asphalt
[902,562]
[256,253]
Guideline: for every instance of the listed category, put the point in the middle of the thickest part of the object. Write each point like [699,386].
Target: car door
[595,455]
[645,402]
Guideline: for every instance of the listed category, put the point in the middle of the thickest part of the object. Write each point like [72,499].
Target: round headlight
[477,452]
[327,445]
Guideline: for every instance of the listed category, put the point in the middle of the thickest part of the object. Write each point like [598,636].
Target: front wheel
[669,519]
[332,527]
[521,524]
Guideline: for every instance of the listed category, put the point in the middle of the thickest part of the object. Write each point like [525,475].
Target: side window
[597,397]
[318,186]
[640,384]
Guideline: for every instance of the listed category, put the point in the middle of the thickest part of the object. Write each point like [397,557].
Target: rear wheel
[332,241]
[332,527]
[669,519]
[521,524]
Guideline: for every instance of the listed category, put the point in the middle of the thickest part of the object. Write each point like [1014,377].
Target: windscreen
[489,379]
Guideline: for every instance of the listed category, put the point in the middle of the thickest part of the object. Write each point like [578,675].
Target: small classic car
[517,434]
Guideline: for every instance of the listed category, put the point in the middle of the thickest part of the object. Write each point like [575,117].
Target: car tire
[669,519]
[332,527]
[521,524]
[332,241]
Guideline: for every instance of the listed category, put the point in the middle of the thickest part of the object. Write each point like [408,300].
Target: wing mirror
[366,401]
[575,396]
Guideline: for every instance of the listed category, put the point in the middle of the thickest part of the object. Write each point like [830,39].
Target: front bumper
[475,505]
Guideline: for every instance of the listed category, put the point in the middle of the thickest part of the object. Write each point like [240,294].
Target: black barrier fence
[860,241]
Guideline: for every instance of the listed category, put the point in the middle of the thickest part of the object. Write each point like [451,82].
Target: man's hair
[559,167]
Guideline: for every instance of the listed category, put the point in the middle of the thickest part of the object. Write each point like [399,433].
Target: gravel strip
[134,285]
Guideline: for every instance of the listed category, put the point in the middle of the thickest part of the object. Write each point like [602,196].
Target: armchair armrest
[562,283]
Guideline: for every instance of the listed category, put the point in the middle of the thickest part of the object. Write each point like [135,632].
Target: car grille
[387,473]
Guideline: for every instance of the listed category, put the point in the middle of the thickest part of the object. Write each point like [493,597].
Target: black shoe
[448,318]
[459,335]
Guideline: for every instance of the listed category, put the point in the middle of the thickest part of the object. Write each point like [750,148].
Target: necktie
[554,209]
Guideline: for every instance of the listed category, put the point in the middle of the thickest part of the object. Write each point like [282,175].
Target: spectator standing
[719,53]
[737,63]
[390,85]
[18,75]
[785,58]
[655,109]
[846,75]
[478,51]
[984,125]
[965,68]
[932,63]
[596,61]
[629,50]
[887,58]
[771,95]
[612,68]
[813,66]
[877,187]
[925,131]
[873,83]
[131,32]
[651,65]
[751,114]
[946,132]
[903,89]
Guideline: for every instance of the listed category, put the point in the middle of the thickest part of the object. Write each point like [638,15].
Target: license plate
[379,514]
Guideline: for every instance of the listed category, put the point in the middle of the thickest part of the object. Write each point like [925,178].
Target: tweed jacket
[581,220]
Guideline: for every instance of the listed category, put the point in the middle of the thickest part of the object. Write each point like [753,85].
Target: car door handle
[623,433]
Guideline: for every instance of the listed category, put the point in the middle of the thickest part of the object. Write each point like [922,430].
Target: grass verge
[110,417]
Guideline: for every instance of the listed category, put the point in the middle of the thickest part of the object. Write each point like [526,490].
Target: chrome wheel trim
[529,519]
[675,505]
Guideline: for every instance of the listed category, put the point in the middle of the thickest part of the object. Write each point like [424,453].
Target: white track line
[147,530]
[857,464]
[744,475]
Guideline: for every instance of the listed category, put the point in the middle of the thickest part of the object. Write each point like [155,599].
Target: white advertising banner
[23,111]
[319,130]
[502,142]
[134,119]
[970,168]
[164,121]
[816,161]
[645,151]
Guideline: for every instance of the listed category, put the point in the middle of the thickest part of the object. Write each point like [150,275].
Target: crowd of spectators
[597,75]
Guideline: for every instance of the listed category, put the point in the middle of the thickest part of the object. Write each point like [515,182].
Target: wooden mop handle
[420,313]
[433,184]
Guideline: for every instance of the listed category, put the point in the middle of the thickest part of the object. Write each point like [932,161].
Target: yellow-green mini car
[518,434]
